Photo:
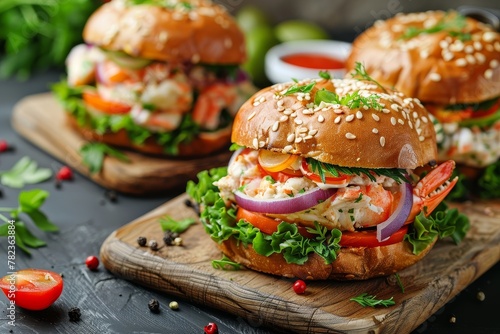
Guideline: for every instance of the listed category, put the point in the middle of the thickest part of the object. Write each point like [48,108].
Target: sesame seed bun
[398,135]
[195,31]
[352,263]
[438,67]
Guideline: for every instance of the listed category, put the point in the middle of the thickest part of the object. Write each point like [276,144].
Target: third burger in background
[451,64]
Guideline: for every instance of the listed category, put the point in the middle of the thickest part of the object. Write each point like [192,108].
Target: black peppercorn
[154,306]
[58,184]
[188,203]
[142,241]
[74,314]
[1,193]
[169,237]
[111,196]
[153,245]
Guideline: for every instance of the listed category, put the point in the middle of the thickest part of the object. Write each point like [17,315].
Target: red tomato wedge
[369,238]
[32,289]
[108,107]
[265,224]
[334,180]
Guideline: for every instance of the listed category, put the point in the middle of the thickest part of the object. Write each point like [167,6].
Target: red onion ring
[400,215]
[298,203]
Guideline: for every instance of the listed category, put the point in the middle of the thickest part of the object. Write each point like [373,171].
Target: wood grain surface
[262,299]
[41,119]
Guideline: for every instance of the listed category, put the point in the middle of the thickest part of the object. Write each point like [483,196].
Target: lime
[294,30]
[251,17]
[258,42]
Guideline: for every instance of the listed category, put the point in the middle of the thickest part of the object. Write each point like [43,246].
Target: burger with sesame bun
[452,64]
[161,77]
[328,183]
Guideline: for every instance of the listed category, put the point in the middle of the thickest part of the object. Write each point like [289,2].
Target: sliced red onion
[297,203]
[400,215]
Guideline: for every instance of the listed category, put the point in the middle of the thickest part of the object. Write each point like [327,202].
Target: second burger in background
[160,77]
[452,64]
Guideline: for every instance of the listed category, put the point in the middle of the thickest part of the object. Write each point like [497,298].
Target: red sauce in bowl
[315,61]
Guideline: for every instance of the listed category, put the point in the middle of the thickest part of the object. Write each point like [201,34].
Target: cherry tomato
[94,100]
[211,328]
[369,238]
[4,146]
[334,180]
[92,262]
[64,173]
[299,287]
[32,289]
[265,224]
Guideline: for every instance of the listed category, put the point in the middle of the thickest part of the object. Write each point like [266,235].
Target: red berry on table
[4,146]
[299,287]
[92,262]
[211,328]
[64,173]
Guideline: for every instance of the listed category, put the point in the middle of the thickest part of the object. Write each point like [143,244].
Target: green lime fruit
[294,30]
[258,42]
[251,17]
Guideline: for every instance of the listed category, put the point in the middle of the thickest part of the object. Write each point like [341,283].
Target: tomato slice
[342,179]
[265,224]
[32,289]
[109,107]
[280,176]
[368,238]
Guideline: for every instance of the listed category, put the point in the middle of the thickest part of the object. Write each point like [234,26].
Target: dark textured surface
[111,305]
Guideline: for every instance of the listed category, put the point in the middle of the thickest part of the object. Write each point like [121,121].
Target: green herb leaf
[353,100]
[360,74]
[400,284]
[365,299]
[27,237]
[93,155]
[325,75]
[452,24]
[225,264]
[25,171]
[300,88]
[30,202]
[169,224]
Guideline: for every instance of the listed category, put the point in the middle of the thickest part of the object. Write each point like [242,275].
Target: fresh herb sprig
[25,171]
[226,264]
[399,282]
[296,88]
[353,100]
[452,24]
[29,205]
[93,155]
[321,168]
[360,73]
[178,226]
[365,299]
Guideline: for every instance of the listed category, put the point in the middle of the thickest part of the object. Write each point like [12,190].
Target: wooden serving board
[41,119]
[263,299]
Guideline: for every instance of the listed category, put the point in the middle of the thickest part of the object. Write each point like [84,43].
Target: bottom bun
[353,263]
[202,145]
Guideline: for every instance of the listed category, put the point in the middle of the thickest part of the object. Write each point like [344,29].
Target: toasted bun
[434,67]
[399,136]
[204,144]
[204,33]
[354,263]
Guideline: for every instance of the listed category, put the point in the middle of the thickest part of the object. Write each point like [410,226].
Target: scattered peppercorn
[111,196]
[153,245]
[58,183]
[188,203]
[211,328]
[480,296]
[453,319]
[154,306]
[92,262]
[173,305]
[299,286]
[169,237]
[142,241]
[178,241]
[62,275]
[1,193]
[64,174]
[74,314]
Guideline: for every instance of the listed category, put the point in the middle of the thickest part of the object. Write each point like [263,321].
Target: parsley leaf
[361,74]
[93,155]
[225,264]
[169,224]
[365,299]
[295,88]
[353,100]
[25,171]
[325,75]
[452,24]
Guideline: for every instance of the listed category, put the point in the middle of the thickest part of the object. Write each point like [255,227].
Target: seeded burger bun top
[194,31]
[392,132]
[438,57]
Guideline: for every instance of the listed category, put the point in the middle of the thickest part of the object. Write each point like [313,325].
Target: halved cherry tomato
[342,179]
[32,289]
[265,224]
[368,238]
[109,107]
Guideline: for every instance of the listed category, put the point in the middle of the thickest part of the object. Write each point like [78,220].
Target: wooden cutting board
[41,119]
[325,307]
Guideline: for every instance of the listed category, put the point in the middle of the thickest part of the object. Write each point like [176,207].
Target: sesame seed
[435,77]
[280,103]
[478,46]
[488,36]
[443,44]
[302,130]
[393,120]
[255,143]
[424,54]
[288,148]
[470,59]
[469,49]
[262,99]
[337,120]
[349,118]
[321,119]
[386,111]
[261,144]
[421,138]
[382,141]
[298,140]
[349,135]
[447,56]
[410,124]
[359,114]
[298,121]
[400,121]
[313,132]
[283,118]
[338,111]
[294,114]
[488,74]
[275,126]
[256,103]
[497,46]
[461,62]
[395,107]
[288,111]
[494,63]
[424,119]
[290,138]
[417,123]
[251,116]
[307,137]
[375,117]
[480,57]
[415,114]
[375,130]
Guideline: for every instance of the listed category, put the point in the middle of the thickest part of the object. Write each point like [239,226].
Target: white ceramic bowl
[278,70]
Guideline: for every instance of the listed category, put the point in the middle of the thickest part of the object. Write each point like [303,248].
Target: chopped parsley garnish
[353,100]
[453,24]
[320,168]
[360,197]
[295,88]
[360,73]
[325,75]
[269,179]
